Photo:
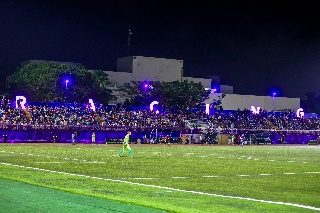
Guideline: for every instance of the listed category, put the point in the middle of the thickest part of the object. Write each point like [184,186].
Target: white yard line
[168,188]
[183,177]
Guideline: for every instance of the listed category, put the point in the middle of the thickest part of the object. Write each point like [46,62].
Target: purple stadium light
[67,81]
[213,90]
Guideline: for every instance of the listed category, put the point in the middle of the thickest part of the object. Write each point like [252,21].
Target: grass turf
[179,178]
[21,197]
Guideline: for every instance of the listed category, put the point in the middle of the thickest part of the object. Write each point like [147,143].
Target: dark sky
[254,46]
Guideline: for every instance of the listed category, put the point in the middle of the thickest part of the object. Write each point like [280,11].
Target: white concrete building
[139,68]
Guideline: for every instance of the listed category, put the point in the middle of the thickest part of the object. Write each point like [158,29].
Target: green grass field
[178,178]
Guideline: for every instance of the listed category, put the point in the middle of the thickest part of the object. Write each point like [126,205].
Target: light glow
[213,90]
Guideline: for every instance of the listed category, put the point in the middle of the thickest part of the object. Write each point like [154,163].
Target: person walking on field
[126,145]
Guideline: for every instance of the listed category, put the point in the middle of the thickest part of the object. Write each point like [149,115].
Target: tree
[136,94]
[173,94]
[35,81]
[47,82]
[99,83]
[183,94]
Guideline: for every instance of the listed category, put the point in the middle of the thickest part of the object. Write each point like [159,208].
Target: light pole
[273,94]
[145,93]
[213,91]
[67,81]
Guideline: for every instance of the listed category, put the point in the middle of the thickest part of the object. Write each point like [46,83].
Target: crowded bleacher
[81,114]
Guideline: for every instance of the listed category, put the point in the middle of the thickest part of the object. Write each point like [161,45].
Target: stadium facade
[140,68]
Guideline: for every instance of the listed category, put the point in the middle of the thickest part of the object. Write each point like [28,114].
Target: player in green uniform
[126,145]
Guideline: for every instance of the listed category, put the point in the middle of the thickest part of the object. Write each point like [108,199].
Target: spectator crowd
[78,114]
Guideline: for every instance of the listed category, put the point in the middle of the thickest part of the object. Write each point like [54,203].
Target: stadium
[236,158]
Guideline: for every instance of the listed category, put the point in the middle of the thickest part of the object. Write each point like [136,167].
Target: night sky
[254,46]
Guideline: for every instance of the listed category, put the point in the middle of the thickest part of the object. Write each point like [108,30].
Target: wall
[226,89]
[156,69]
[283,103]
[235,101]
[119,77]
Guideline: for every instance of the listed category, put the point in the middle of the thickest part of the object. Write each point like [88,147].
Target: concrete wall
[235,101]
[156,69]
[120,78]
[284,103]
[151,69]
[226,89]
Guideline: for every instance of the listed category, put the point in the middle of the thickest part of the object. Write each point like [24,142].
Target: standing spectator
[232,139]
[167,140]
[145,140]
[239,139]
[201,139]
[138,141]
[93,138]
[242,138]
[183,139]
[73,139]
